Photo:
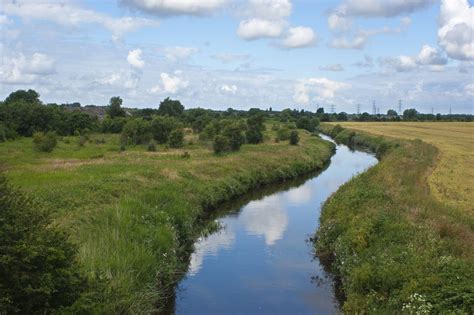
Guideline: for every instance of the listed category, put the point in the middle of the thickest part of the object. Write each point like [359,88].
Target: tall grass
[135,214]
[392,245]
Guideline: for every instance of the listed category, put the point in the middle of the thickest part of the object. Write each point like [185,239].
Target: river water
[260,261]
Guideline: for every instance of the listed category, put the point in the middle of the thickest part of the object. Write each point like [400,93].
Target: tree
[255,128]
[30,97]
[410,114]
[176,138]
[161,127]
[306,123]
[136,131]
[342,116]
[391,112]
[235,133]
[294,137]
[38,269]
[320,110]
[365,117]
[115,109]
[170,107]
[221,144]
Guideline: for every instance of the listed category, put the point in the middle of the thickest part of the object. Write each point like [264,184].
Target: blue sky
[242,54]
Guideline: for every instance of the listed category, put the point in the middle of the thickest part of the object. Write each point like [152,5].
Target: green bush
[45,142]
[176,138]
[294,137]
[161,127]
[283,134]
[221,144]
[136,131]
[235,133]
[38,270]
[151,146]
[81,141]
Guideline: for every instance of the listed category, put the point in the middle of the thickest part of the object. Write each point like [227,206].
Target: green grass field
[393,244]
[133,214]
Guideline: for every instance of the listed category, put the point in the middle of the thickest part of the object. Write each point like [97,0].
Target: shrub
[176,138]
[221,144]
[255,128]
[152,146]
[185,155]
[235,133]
[122,147]
[294,137]
[136,131]
[161,128]
[39,273]
[82,141]
[45,142]
[283,134]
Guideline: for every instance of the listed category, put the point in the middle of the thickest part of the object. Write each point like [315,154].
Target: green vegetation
[44,142]
[132,199]
[38,271]
[392,245]
[294,137]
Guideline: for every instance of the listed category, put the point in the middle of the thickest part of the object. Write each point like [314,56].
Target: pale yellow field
[452,181]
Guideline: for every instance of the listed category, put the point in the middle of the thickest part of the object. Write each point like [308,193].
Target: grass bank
[392,244]
[134,214]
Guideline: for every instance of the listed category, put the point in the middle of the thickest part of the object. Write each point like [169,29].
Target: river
[261,260]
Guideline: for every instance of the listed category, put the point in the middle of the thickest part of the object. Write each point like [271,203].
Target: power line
[358,109]
[399,107]
[333,108]
[374,109]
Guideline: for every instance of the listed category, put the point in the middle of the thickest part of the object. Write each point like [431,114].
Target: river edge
[386,256]
[235,209]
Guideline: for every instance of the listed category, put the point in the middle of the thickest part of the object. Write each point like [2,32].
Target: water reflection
[210,246]
[260,262]
[265,217]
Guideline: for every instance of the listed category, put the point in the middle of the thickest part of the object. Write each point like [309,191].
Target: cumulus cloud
[178,52]
[169,83]
[431,56]
[69,15]
[23,69]
[299,36]
[264,19]
[257,28]
[334,67]
[172,7]
[232,89]
[428,56]
[456,29]
[134,58]
[320,89]
[383,8]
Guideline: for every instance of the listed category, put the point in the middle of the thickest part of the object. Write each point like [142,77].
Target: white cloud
[178,52]
[456,29]
[428,56]
[229,88]
[119,79]
[431,56]
[299,36]
[333,67]
[383,8]
[23,69]
[173,7]
[268,9]
[469,89]
[65,14]
[169,83]
[337,21]
[368,62]
[257,28]
[134,58]
[320,88]
[4,19]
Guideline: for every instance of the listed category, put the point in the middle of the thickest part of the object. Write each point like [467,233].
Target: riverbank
[134,214]
[394,246]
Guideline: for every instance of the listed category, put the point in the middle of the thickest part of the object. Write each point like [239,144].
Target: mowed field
[452,181]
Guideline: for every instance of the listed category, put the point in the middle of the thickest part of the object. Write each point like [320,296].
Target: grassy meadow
[452,180]
[393,244]
[134,214]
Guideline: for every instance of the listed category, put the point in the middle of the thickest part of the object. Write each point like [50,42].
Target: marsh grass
[134,214]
